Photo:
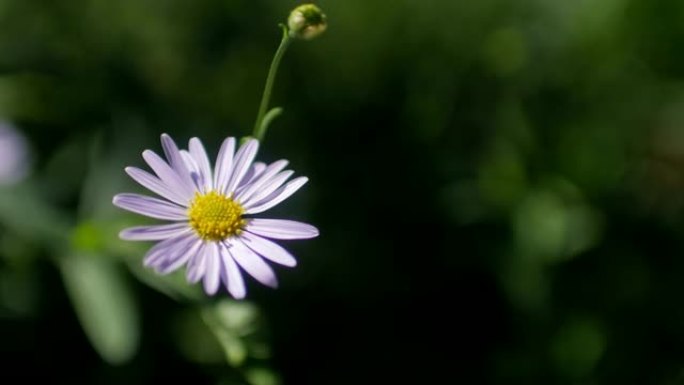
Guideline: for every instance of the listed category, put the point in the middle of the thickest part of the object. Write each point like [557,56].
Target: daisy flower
[213,232]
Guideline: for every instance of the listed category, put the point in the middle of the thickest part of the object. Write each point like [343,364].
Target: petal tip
[116,199]
[210,291]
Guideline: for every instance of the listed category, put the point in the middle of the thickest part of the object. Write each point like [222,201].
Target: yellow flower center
[215,217]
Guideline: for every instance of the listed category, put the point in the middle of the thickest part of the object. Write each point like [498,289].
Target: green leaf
[195,340]
[173,285]
[231,321]
[17,203]
[104,305]
[269,118]
[578,346]
[261,376]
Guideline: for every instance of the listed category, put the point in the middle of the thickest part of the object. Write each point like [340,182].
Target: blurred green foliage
[499,187]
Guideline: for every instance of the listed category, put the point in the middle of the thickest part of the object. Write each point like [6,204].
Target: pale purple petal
[280,195]
[267,249]
[155,185]
[189,161]
[168,175]
[175,158]
[159,251]
[254,171]
[281,229]
[197,265]
[165,249]
[199,154]
[257,183]
[15,159]
[154,233]
[224,164]
[212,275]
[243,161]
[268,188]
[151,207]
[173,263]
[230,274]
[252,263]
[193,168]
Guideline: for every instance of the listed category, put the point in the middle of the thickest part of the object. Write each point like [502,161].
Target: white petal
[243,161]
[168,175]
[268,188]
[267,249]
[212,275]
[230,274]
[281,229]
[151,207]
[154,233]
[200,155]
[175,158]
[197,265]
[224,164]
[252,263]
[280,195]
[155,185]
[257,183]
[173,263]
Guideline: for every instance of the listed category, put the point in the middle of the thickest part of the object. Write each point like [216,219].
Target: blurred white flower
[14,154]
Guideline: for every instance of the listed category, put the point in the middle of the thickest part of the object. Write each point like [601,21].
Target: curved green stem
[261,125]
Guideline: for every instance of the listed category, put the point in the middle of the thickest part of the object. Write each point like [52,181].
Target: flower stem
[261,124]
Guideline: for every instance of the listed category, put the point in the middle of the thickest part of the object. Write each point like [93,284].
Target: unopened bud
[306,22]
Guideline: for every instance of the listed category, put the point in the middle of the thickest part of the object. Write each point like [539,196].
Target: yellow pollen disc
[215,217]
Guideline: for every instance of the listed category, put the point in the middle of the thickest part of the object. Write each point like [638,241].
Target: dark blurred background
[499,187]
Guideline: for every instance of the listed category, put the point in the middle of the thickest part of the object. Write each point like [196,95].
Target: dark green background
[499,185]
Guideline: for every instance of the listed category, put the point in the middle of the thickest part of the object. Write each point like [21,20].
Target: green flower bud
[306,22]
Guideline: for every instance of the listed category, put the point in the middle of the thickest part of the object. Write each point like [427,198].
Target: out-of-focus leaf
[526,282]
[22,210]
[503,178]
[103,304]
[261,376]
[18,251]
[106,177]
[231,321]
[18,292]
[173,285]
[578,346]
[553,228]
[235,349]
[195,340]
[238,317]
[87,237]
